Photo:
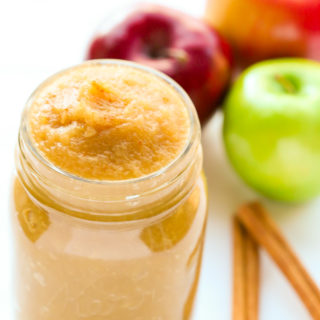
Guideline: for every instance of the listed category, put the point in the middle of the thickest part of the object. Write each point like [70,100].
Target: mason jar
[98,250]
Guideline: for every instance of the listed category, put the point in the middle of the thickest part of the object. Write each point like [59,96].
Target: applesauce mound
[108,122]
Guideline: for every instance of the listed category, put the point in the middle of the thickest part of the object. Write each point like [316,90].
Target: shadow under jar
[108,249]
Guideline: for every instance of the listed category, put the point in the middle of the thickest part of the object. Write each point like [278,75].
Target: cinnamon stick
[258,223]
[239,291]
[253,277]
[245,274]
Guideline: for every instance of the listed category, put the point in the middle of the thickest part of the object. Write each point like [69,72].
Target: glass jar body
[74,268]
[102,249]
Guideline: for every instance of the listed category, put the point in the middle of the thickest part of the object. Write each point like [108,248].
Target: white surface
[40,37]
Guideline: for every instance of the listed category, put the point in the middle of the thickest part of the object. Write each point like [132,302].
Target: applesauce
[109,204]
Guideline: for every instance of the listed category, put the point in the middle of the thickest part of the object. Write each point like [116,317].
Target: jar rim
[190,141]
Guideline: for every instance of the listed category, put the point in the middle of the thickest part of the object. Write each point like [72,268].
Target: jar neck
[131,200]
[121,200]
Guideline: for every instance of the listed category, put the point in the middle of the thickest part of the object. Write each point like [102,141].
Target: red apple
[183,47]
[263,29]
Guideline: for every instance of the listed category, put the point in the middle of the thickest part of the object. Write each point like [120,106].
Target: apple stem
[286,84]
[179,54]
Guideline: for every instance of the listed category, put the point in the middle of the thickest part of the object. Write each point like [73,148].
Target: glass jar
[127,249]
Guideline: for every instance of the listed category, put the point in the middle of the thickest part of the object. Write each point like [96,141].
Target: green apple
[272,128]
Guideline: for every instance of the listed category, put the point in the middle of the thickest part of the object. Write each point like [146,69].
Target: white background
[40,37]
